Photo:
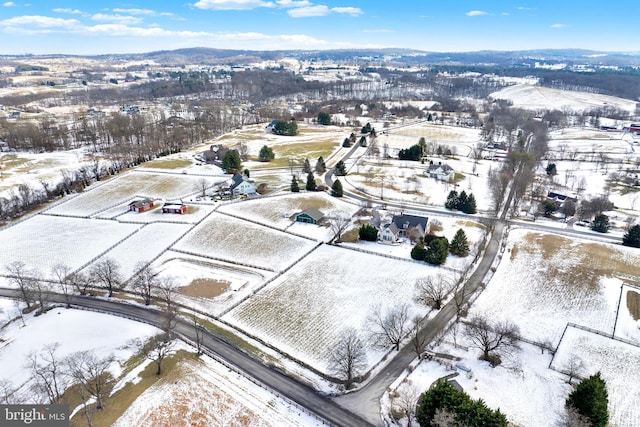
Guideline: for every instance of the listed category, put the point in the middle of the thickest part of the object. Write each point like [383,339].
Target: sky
[137,26]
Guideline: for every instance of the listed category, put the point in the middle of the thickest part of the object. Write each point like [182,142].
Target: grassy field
[545,281]
[168,164]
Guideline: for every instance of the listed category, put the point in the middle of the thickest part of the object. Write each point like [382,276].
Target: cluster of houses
[146,204]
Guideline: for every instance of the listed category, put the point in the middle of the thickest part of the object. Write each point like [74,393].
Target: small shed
[174,208]
[309,216]
[141,205]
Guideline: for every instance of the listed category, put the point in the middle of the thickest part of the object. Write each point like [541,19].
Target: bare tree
[40,290]
[243,150]
[80,281]
[91,374]
[62,274]
[201,186]
[106,273]
[432,291]
[348,358]
[492,339]
[388,328]
[19,275]
[146,281]
[158,348]
[498,183]
[574,367]
[47,373]
[407,401]
[7,392]
[199,333]
[339,222]
[418,339]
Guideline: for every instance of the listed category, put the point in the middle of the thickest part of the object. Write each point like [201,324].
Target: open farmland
[125,187]
[154,238]
[235,240]
[618,364]
[304,311]
[207,393]
[277,211]
[545,281]
[44,241]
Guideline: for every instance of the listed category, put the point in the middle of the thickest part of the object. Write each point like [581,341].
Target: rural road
[284,385]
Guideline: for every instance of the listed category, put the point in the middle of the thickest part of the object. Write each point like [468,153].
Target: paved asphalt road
[284,385]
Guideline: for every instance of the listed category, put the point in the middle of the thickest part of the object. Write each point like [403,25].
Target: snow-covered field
[237,240]
[44,241]
[618,364]
[73,330]
[304,311]
[539,98]
[204,392]
[544,281]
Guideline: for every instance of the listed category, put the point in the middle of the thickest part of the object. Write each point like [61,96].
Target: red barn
[175,208]
[141,205]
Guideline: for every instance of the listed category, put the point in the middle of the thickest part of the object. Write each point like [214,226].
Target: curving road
[292,389]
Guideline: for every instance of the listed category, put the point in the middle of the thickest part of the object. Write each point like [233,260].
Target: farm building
[412,226]
[309,216]
[174,208]
[141,205]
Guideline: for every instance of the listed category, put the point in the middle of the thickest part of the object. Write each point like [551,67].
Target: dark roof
[561,197]
[392,228]
[445,167]
[408,221]
[238,179]
[141,202]
[314,213]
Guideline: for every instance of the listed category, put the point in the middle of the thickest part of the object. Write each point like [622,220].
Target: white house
[441,172]
[389,234]
[240,185]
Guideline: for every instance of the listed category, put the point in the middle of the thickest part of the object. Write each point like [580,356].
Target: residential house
[215,154]
[141,205]
[560,199]
[440,171]
[411,226]
[240,185]
[309,216]
[174,208]
[389,234]
[15,115]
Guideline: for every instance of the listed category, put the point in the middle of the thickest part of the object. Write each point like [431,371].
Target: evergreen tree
[551,169]
[346,143]
[600,223]
[266,154]
[320,166]
[369,233]
[470,205]
[437,251]
[632,237]
[418,252]
[311,182]
[462,200]
[591,400]
[295,188]
[324,118]
[341,169]
[452,200]
[459,245]
[363,141]
[231,162]
[336,189]
[548,207]
[306,167]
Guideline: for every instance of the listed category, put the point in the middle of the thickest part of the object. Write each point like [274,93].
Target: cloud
[146,12]
[67,10]
[232,4]
[557,26]
[476,13]
[353,11]
[293,3]
[307,11]
[35,24]
[525,8]
[8,4]
[121,19]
